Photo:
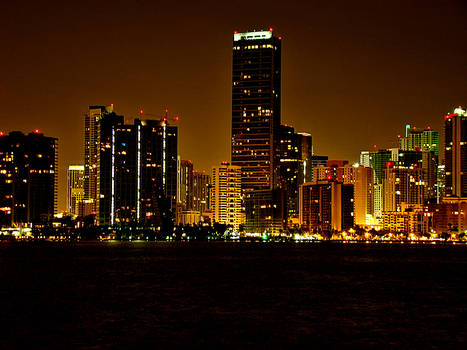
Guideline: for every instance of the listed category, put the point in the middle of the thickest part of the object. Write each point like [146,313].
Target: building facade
[28,178]
[326,206]
[256,107]
[226,195]
[75,189]
[455,150]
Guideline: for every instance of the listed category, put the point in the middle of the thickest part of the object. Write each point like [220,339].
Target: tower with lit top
[256,107]
[455,153]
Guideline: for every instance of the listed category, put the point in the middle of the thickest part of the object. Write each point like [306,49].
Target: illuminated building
[256,107]
[326,206]
[226,195]
[402,185]
[359,176]
[75,188]
[417,139]
[136,170]
[450,215]
[411,219]
[28,178]
[265,212]
[185,184]
[294,167]
[455,150]
[315,162]
[201,188]
[92,146]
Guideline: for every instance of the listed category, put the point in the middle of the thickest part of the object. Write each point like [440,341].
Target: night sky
[354,72]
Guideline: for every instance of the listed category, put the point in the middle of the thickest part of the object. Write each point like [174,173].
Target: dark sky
[354,72]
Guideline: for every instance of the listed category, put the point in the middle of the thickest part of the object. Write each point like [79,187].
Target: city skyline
[358,73]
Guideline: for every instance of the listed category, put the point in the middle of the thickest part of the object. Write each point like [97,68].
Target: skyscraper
[28,178]
[201,188]
[256,107]
[226,194]
[75,188]
[455,148]
[92,147]
[138,172]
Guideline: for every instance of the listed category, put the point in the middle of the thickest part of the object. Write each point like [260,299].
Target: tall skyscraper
[185,184]
[256,107]
[138,172]
[201,189]
[226,202]
[75,188]
[28,178]
[455,150]
[92,146]
[294,166]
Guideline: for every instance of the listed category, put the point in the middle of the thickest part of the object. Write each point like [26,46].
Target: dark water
[136,295]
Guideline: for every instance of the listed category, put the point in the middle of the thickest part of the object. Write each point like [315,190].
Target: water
[134,295]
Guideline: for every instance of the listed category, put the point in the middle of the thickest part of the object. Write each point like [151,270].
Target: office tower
[411,219]
[201,189]
[75,188]
[185,184]
[92,150]
[226,194]
[417,139]
[138,172]
[402,185]
[455,150]
[377,160]
[266,212]
[294,166]
[326,206]
[256,107]
[29,178]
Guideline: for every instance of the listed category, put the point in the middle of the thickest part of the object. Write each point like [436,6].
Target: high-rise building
[402,185]
[93,133]
[326,206]
[265,212]
[455,150]
[28,178]
[131,174]
[138,173]
[185,184]
[201,189]
[256,107]
[294,167]
[418,139]
[226,201]
[359,176]
[75,188]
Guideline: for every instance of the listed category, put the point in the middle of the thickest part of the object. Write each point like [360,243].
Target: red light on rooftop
[175,118]
[111,105]
[235,31]
[374,146]
[428,127]
[398,136]
[36,131]
[271,29]
[280,38]
[1,133]
[166,110]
